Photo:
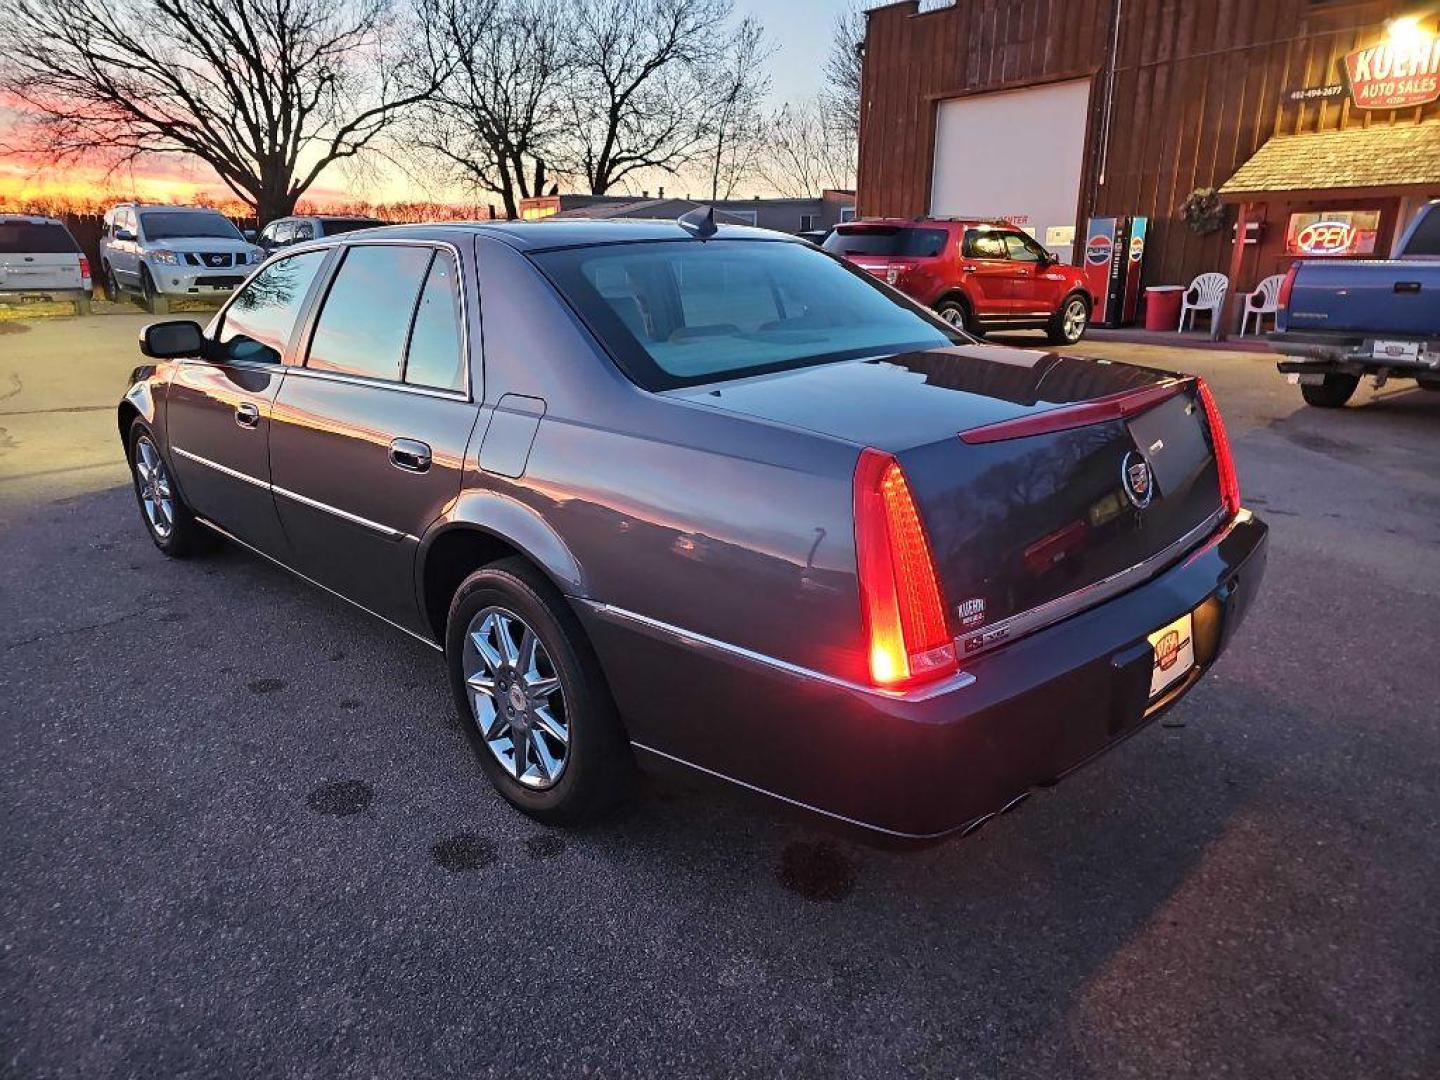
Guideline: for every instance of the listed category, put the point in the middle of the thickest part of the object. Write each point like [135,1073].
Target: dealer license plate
[1395,350]
[1174,647]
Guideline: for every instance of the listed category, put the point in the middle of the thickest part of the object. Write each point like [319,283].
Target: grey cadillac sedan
[708,499]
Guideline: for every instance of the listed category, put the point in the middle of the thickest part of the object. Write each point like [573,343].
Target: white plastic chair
[1209,292]
[1265,300]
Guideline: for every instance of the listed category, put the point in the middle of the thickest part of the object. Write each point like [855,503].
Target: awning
[1392,158]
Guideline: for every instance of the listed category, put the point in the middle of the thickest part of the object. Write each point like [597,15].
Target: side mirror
[124,234]
[173,340]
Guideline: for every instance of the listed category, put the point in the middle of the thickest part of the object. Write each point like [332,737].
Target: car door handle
[412,455]
[1022,273]
[247,415]
[969,268]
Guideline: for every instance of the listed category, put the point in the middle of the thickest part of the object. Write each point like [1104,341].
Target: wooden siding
[1199,86]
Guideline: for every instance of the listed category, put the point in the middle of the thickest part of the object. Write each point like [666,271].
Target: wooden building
[1304,113]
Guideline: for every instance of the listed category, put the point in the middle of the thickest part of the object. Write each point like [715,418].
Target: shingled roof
[1373,157]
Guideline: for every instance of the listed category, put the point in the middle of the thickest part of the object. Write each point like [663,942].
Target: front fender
[520,526]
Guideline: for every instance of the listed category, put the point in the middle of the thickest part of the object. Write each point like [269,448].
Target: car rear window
[886,240]
[167,225]
[32,238]
[678,313]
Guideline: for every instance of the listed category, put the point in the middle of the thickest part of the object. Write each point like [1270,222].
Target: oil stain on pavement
[463,851]
[342,798]
[265,686]
[816,870]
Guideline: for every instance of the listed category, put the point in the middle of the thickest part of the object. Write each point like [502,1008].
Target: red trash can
[1162,307]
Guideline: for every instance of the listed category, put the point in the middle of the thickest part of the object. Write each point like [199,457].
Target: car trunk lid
[1043,481]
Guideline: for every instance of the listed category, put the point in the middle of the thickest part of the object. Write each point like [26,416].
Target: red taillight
[1224,460]
[84,267]
[1282,298]
[900,603]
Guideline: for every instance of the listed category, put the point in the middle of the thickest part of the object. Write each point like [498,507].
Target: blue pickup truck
[1342,320]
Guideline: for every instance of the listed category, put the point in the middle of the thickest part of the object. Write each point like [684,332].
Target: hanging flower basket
[1203,211]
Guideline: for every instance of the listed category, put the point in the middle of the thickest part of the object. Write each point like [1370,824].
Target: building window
[750,216]
[847,213]
[807,222]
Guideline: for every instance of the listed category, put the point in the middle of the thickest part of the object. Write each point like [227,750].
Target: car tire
[592,765]
[957,314]
[1333,393]
[171,524]
[1070,321]
[111,283]
[155,304]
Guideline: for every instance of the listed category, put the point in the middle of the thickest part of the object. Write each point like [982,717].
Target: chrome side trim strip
[325,588]
[1062,607]
[355,519]
[295,370]
[235,473]
[803,805]
[691,638]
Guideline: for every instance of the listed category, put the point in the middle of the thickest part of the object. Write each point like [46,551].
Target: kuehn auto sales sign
[1395,73]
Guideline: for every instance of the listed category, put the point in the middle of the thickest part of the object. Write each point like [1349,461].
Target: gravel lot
[243,834]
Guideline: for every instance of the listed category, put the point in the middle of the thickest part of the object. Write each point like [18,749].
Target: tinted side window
[304,231]
[259,321]
[984,245]
[366,318]
[434,358]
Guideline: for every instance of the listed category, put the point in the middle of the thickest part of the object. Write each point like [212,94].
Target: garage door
[1015,154]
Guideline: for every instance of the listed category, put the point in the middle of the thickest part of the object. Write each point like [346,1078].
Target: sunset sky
[800,29]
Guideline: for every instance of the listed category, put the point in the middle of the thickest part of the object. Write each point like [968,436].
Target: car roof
[32,219]
[932,223]
[169,208]
[546,235]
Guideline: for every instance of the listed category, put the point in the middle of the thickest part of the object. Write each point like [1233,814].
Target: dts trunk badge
[1136,479]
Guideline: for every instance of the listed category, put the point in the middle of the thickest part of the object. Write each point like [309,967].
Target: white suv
[168,251]
[40,260]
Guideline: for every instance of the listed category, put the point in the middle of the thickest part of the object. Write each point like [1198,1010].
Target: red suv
[977,275]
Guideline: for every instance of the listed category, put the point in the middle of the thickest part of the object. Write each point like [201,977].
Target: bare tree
[268,93]
[738,87]
[842,68]
[496,120]
[641,97]
[806,150]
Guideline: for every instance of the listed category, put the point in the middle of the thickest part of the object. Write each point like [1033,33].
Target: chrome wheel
[152,481]
[1073,324]
[516,699]
[953,315]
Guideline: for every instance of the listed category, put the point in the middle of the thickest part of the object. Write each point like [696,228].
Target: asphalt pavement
[241,832]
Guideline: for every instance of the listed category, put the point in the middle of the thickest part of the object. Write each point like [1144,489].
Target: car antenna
[699,223]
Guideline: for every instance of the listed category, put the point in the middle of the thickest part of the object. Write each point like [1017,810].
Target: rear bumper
[1350,354]
[945,758]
